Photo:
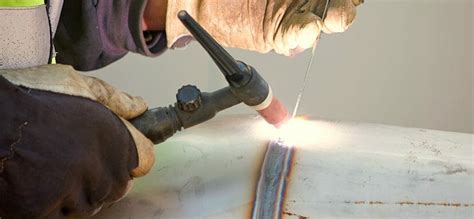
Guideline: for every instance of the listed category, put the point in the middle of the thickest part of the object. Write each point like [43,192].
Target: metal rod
[308,68]
[305,80]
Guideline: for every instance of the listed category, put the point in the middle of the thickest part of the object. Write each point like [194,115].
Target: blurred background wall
[403,62]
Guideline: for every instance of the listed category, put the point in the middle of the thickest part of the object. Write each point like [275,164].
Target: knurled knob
[188,98]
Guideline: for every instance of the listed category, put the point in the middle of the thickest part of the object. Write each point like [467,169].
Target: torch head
[274,112]
[255,92]
[244,81]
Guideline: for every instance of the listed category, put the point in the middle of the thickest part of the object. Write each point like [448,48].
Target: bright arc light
[300,132]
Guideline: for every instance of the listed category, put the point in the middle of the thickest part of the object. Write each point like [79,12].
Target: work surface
[343,170]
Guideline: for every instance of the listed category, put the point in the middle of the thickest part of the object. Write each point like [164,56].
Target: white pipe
[344,170]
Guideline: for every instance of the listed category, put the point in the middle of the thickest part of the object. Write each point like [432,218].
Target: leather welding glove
[64,79]
[66,147]
[286,26]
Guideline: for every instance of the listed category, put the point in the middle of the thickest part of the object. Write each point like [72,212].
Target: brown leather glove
[262,25]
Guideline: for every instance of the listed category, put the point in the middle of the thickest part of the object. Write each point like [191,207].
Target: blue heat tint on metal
[273,181]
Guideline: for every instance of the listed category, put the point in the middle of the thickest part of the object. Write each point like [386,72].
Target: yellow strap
[21,3]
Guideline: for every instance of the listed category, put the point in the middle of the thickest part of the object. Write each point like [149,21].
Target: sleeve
[94,33]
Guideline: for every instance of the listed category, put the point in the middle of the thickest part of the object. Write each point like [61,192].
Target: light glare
[300,132]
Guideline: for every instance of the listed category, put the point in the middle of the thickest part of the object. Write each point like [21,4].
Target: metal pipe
[344,170]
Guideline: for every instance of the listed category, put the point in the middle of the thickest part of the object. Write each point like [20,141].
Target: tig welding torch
[194,107]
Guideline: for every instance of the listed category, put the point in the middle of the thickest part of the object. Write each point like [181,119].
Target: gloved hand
[286,26]
[66,147]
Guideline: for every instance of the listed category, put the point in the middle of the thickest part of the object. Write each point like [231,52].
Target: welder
[66,146]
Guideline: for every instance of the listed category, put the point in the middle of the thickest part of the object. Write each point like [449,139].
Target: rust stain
[365,202]
[294,215]
[248,209]
[443,204]
[405,203]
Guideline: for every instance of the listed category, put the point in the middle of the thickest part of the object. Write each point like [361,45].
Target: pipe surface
[347,170]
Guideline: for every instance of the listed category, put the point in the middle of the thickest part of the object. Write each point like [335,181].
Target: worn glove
[285,26]
[66,147]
